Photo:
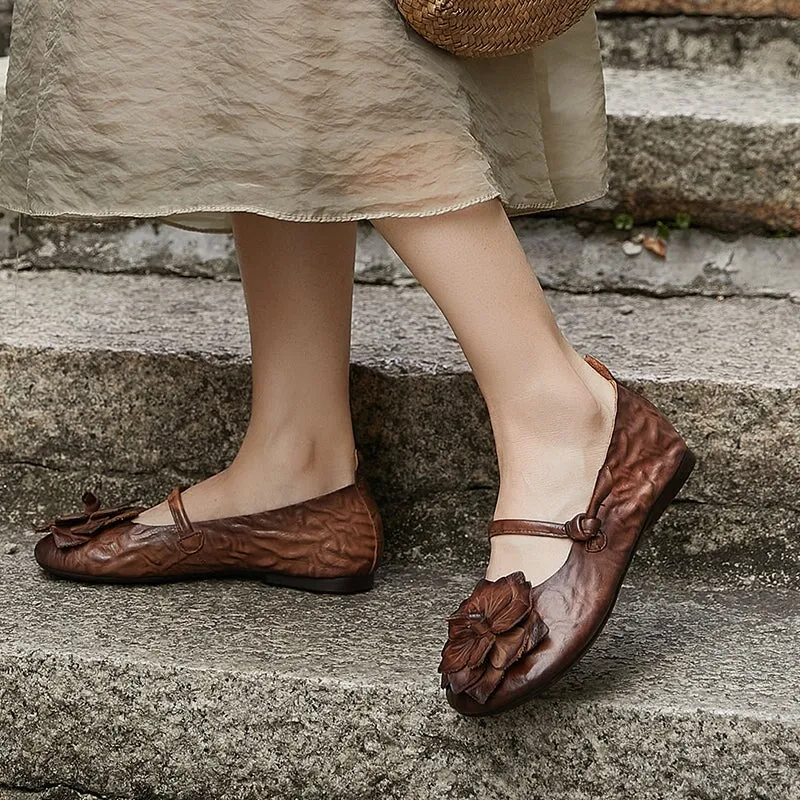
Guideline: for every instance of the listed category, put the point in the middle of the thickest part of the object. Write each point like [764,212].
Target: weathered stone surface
[5,28]
[233,690]
[52,793]
[569,255]
[90,387]
[150,247]
[762,48]
[115,246]
[579,256]
[720,146]
[732,8]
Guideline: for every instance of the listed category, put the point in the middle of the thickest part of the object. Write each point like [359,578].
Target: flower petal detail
[492,630]
[465,650]
[514,611]
[481,689]
[508,648]
[536,629]
[498,595]
[463,679]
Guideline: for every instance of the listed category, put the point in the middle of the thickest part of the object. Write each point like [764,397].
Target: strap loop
[182,521]
[178,511]
[586,527]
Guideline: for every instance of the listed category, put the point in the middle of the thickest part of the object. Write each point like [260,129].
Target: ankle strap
[190,540]
[580,528]
[586,527]
[175,504]
[528,527]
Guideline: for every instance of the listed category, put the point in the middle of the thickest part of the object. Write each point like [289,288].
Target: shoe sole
[349,584]
[670,491]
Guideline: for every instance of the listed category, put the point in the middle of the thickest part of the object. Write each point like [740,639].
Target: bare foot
[261,479]
[552,478]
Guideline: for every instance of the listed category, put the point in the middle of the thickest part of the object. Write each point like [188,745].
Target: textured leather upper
[644,453]
[334,535]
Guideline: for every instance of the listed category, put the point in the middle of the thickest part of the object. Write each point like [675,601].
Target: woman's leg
[298,287]
[551,413]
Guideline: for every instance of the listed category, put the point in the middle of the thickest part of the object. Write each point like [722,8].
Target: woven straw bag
[482,28]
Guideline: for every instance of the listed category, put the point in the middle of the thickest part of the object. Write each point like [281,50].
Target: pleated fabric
[323,110]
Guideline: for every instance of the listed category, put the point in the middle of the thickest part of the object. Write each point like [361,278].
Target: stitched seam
[164,211]
[527,530]
[160,214]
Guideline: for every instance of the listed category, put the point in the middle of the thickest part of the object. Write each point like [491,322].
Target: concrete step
[6,10]
[134,383]
[761,48]
[568,255]
[237,690]
[722,146]
[789,9]
[582,256]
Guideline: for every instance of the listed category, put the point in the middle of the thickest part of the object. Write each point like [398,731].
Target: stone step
[760,48]
[6,10]
[131,383]
[568,255]
[789,9]
[238,690]
[582,256]
[722,146]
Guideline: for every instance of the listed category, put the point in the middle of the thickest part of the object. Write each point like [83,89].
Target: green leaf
[683,220]
[623,221]
[662,231]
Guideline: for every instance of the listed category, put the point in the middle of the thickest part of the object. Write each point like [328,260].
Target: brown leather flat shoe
[331,543]
[508,641]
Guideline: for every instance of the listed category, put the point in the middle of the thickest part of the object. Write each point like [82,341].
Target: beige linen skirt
[318,110]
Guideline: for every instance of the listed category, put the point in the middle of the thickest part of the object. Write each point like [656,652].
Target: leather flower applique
[493,629]
[73,530]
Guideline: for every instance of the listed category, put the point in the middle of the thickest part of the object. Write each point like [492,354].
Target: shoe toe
[46,553]
[55,560]
[465,705]
[526,679]
[102,557]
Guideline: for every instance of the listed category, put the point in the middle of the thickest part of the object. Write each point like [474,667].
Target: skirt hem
[513,209]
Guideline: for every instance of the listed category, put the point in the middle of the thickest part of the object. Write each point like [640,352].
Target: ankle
[548,456]
[553,414]
[314,463]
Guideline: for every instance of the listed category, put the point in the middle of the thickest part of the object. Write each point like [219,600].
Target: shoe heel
[349,584]
[674,485]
